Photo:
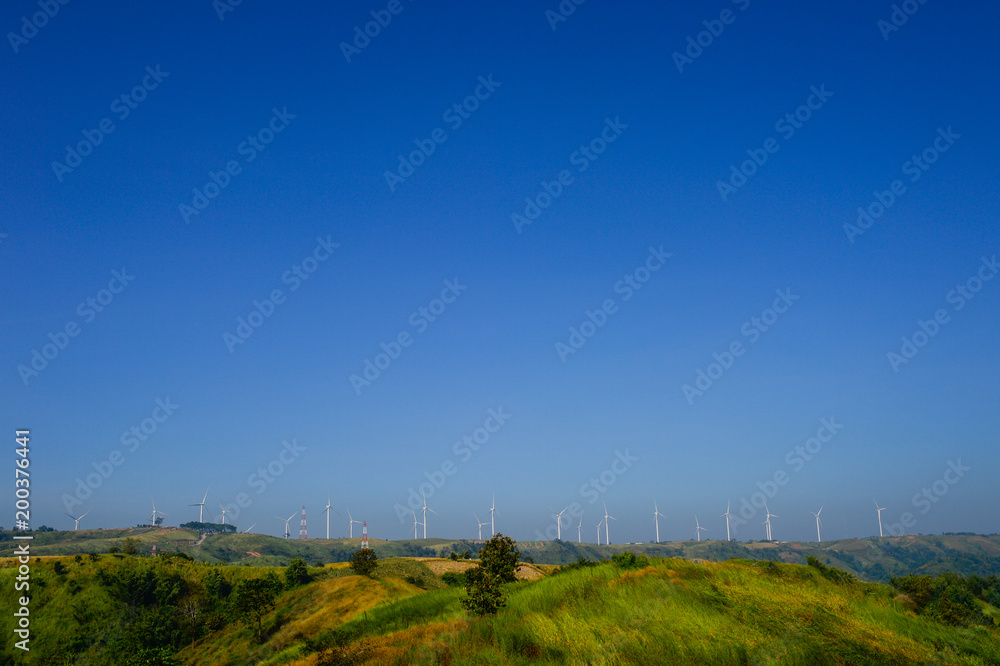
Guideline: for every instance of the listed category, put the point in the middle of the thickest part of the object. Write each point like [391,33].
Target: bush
[834,574]
[364,562]
[453,579]
[296,573]
[497,566]
[627,560]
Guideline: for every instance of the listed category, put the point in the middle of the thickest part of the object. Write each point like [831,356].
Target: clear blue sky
[327,131]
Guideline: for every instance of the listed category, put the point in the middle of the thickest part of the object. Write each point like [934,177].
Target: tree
[251,600]
[364,562]
[296,573]
[130,546]
[484,583]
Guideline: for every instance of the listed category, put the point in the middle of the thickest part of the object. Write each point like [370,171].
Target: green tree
[296,573]
[251,600]
[364,562]
[130,546]
[484,583]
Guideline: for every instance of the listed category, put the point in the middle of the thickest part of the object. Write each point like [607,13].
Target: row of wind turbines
[605,521]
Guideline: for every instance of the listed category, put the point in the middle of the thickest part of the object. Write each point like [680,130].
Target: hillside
[873,559]
[669,611]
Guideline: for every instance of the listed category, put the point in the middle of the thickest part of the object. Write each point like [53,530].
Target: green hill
[122,610]
[873,559]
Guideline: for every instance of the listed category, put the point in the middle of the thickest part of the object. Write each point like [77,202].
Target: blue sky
[315,196]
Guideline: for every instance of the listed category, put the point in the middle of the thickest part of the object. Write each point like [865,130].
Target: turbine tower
[480,524]
[224,511]
[818,539]
[286,521]
[416,522]
[607,539]
[698,529]
[727,516]
[767,522]
[656,519]
[153,515]
[76,521]
[558,517]
[326,510]
[880,509]
[423,514]
[351,522]
[579,531]
[493,509]
[599,531]
[201,506]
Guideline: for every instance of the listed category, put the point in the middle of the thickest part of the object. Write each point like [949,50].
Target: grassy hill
[873,559]
[669,611]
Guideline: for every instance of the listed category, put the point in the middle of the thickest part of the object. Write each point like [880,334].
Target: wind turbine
[250,528]
[727,516]
[656,519]
[599,531]
[415,523]
[607,539]
[558,517]
[326,510]
[76,521]
[351,522]
[224,511]
[286,521]
[477,522]
[698,529]
[423,514]
[817,523]
[579,531]
[493,510]
[768,521]
[201,505]
[880,510]
[153,515]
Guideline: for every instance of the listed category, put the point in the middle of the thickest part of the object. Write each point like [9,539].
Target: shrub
[296,573]
[364,562]
[497,565]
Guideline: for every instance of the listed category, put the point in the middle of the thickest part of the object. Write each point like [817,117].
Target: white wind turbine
[286,521]
[423,514]
[352,522]
[76,521]
[818,539]
[558,517]
[224,511]
[477,523]
[698,529]
[493,509]
[153,515]
[599,531]
[201,505]
[326,510]
[656,519]
[767,522]
[415,523]
[250,528]
[579,531]
[727,516]
[607,539]
[880,510]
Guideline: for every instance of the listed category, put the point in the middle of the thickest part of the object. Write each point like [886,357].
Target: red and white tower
[364,534]
[303,534]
